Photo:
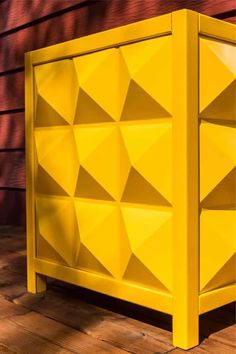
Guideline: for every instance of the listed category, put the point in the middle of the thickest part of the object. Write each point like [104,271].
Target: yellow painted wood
[153,27]
[214,28]
[217,298]
[154,299]
[36,283]
[185,179]
[130,147]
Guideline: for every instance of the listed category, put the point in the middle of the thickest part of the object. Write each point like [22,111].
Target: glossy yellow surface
[112,166]
[217,164]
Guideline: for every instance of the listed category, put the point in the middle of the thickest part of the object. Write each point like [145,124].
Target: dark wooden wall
[30,24]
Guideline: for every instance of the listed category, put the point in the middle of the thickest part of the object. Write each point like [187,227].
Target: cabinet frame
[186,303]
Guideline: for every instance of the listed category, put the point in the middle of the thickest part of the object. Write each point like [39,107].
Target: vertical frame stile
[185,179]
[35,282]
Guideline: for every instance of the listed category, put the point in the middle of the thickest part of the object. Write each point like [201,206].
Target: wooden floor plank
[21,341]
[69,319]
[8,309]
[63,336]
[5,350]
[209,346]
[99,323]
[12,285]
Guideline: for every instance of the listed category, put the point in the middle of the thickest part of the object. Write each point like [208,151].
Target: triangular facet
[88,139]
[110,245]
[140,105]
[46,140]
[225,51]
[136,55]
[139,190]
[58,156]
[55,217]
[136,272]
[103,234]
[57,84]
[150,236]
[141,224]
[217,242]
[45,184]
[90,215]
[46,251]
[156,165]
[46,115]
[106,158]
[108,83]
[225,276]
[217,146]
[215,75]
[88,111]
[223,107]
[139,138]
[149,64]
[223,196]
[86,65]
[88,187]
[87,261]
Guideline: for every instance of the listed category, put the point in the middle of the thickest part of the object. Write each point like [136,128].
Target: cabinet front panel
[103,141]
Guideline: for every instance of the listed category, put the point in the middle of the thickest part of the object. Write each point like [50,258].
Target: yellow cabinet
[130,144]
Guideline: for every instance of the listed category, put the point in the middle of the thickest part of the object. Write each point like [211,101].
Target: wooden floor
[69,319]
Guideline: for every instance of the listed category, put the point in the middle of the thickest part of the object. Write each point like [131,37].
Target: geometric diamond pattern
[218,244]
[103,152]
[217,164]
[217,80]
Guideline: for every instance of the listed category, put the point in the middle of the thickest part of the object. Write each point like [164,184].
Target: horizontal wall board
[12,127]
[12,169]
[18,13]
[12,91]
[12,207]
[21,12]
[231,19]
[83,21]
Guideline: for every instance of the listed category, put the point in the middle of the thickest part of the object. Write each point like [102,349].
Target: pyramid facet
[46,114]
[87,261]
[140,105]
[139,190]
[149,147]
[88,111]
[88,187]
[107,82]
[223,196]
[58,157]
[223,107]
[56,225]
[102,153]
[47,252]
[217,155]
[57,84]
[217,72]
[149,233]
[102,233]
[225,276]
[136,272]
[45,184]
[149,65]
[218,242]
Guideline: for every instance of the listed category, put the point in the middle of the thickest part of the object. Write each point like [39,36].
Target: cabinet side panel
[217,164]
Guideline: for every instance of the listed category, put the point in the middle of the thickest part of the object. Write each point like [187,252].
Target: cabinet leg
[185,331]
[36,283]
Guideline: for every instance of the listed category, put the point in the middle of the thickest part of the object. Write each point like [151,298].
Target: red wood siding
[30,24]
[12,128]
